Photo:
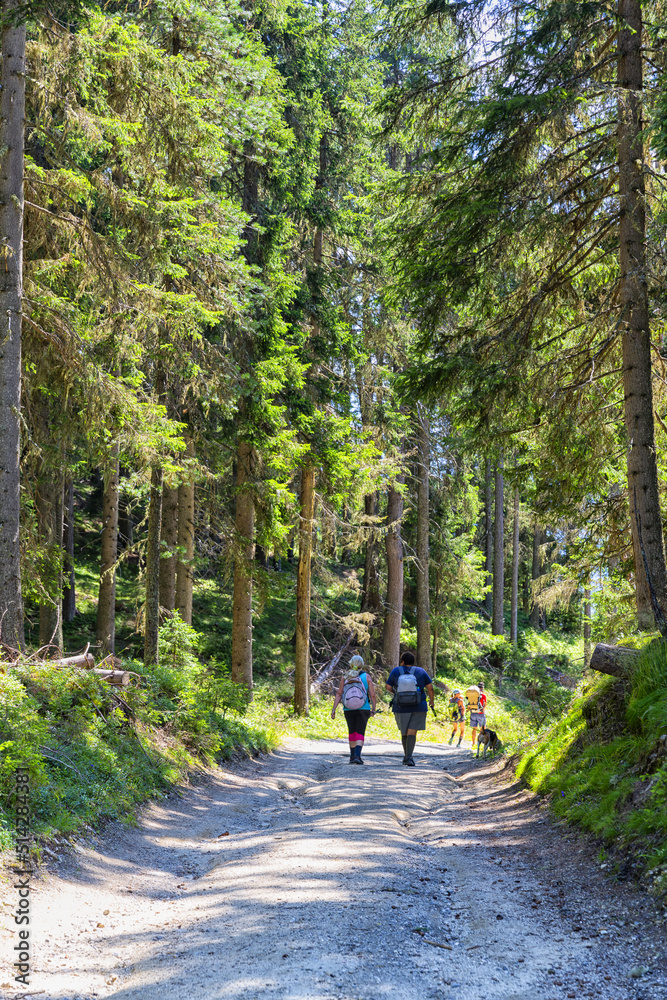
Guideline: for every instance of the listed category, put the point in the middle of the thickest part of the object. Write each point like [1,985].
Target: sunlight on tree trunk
[106,600]
[393,609]
[498,623]
[488,536]
[434,654]
[646,523]
[12,122]
[186,544]
[422,563]
[536,573]
[243,561]
[514,610]
[49,504]
[302,651]
[370,594]
[69,588]
[587,625]
[168,544]
[152,606]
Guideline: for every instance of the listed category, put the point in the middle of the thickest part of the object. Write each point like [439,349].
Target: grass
[595,764]
[95,756]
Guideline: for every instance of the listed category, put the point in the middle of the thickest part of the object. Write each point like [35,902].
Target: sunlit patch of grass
[592,781]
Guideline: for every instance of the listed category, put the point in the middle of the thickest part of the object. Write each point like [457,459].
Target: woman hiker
[410,685]
[357,694]
[458,707]
[478,718]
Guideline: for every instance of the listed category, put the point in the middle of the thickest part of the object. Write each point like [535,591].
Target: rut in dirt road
[302,878]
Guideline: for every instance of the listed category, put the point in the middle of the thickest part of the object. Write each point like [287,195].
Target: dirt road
[301,877]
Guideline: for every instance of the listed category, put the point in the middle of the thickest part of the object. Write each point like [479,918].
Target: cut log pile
[107,670]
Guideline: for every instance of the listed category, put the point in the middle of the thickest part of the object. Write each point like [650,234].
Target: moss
[593,762]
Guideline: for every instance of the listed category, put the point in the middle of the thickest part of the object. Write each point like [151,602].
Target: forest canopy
[370,292]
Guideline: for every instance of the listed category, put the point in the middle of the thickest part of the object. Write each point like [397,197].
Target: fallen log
[86,660]
[613,660]
[119,678]
[329,668]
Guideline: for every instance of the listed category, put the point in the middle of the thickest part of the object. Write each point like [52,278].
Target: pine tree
[533,176]
[12,118]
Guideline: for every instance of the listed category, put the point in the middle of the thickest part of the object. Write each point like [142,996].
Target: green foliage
[220,693]
[647,706]
[597,777]
[93,757]
[177,644]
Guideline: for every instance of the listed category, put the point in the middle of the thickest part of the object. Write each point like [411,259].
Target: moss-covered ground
[602,766]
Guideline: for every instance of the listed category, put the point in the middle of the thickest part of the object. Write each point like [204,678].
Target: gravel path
[300,877]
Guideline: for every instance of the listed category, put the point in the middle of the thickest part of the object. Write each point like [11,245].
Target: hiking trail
[300,877]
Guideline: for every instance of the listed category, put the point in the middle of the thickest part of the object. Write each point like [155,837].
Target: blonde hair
[357,662]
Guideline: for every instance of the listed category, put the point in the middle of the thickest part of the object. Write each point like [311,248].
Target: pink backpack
[355,694]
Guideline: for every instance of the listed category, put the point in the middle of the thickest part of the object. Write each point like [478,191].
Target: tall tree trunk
[152,606]
[69,590]
[168,543]
[125,519]
[587,625]
[434,655]
[393,614]
[536,573]
[186,545]
[106,601]
[422,563]
[524,575]
[370,595]
[12,123]
[307,503]
[49,504]
[647,538]
[243,561]
[313,551]
[302,652]
[329,546]
[497,622]
[488,536]
[514,611]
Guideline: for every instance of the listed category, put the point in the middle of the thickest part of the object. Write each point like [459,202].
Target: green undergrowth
[94,752]
[601,766]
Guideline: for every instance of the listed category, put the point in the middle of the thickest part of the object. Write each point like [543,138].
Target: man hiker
[410,685]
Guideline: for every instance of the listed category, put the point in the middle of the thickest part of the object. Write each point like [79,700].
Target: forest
[332,327]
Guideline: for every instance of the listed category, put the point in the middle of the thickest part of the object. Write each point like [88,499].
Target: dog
[488,739]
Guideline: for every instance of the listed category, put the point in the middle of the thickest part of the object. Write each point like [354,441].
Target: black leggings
[357,720]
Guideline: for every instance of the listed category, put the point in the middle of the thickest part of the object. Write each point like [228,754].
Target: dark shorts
[477,720]
[357,720]
[458,717]
[410,720]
